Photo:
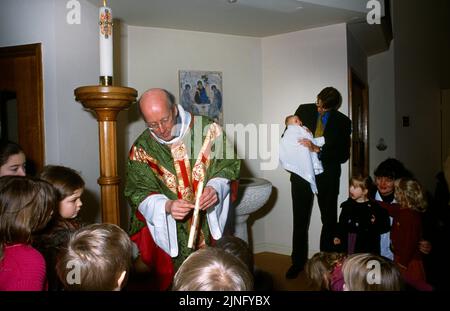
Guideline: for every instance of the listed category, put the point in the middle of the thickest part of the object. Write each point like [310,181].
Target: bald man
[175,153]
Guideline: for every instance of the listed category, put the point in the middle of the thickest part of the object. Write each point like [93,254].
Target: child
[407,231]
[70,187]
[368,272]
[26,206]
[239,248]
[297,158]
[12,159]
[324,271]
[212,269]
[361,221]
[97,258]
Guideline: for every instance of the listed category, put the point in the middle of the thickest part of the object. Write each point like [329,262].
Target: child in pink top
[324,271]
[26,206]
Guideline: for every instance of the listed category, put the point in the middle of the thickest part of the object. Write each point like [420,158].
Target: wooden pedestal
[107,102]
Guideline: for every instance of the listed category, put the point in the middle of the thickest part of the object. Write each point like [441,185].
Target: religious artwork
[201,93]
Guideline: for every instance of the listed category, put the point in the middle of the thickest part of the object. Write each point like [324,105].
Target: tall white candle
[106,41]
[194,224]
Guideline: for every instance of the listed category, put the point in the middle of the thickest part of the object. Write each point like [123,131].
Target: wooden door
[21,75]
[359,114]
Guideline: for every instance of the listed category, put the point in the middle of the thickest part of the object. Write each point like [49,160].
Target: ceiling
[256,18]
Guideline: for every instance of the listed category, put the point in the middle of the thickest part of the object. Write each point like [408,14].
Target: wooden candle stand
[107,102]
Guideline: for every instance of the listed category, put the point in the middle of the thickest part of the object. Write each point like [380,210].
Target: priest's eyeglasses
[161,124]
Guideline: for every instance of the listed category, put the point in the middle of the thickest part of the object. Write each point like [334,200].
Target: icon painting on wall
[201,93]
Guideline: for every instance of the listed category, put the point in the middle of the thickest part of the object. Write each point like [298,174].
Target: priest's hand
[178,208]
[208,198]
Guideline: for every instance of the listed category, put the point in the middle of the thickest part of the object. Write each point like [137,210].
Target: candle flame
[104,2]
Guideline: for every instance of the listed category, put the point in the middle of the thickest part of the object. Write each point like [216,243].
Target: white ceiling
[257,18]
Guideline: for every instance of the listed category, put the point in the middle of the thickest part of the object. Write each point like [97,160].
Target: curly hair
[409,193]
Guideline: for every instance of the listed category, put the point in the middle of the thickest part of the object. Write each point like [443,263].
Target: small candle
[106,45]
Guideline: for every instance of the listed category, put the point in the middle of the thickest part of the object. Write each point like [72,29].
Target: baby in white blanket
[297,158]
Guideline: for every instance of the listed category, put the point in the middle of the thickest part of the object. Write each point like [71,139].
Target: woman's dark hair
[392,168]
[7,149]
[330,97]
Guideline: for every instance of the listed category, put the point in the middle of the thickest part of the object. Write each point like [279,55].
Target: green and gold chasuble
[175,171]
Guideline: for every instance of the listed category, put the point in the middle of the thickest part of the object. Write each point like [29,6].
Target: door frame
[24,77]
[363,123]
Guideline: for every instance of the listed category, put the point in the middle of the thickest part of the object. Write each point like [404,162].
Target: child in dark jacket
[55,236]
[361,221]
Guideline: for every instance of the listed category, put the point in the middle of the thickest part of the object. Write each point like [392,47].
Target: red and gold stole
[184,184]
[188,179]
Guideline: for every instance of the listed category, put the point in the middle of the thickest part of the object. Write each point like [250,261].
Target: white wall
[155,56]
[381,106]
[70,60]
[296,67]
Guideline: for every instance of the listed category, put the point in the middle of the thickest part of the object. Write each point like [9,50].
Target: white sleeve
[217,215]
[319,141]
[162,225]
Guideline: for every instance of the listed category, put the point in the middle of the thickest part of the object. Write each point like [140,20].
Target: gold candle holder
[105,80]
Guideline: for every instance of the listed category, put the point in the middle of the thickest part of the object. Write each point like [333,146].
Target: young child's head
[70,187]
[319,267]
[12,159]
[238,248]
[409,193]
[292,120]
[212,269]
[26,206]
[368,272]
[97,258]
[359,188]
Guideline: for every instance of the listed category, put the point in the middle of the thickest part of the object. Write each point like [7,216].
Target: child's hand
[337,241]
[372,219]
